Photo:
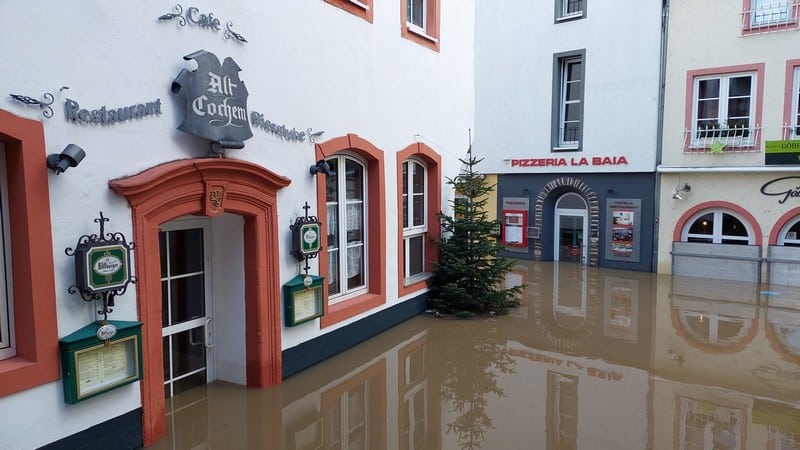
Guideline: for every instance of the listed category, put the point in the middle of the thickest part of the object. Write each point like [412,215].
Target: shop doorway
[571,215]
[187,314]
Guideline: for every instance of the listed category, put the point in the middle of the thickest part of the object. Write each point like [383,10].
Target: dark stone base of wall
[120,433]
[307,354]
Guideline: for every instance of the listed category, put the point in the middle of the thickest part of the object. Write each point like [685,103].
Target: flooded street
[594,359]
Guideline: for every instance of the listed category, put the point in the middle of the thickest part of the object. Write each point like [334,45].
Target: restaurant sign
[216,99]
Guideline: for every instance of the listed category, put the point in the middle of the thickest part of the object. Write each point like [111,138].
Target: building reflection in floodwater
[592,359]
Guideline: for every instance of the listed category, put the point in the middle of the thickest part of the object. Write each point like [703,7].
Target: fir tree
[469,277]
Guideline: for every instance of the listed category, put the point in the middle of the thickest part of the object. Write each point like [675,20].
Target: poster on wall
[623,229]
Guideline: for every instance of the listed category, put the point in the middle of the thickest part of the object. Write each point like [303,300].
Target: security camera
[71,156]
[677,196]
[321,167]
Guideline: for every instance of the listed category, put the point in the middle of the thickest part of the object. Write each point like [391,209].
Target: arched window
[718,227]
[790,233]
[346,191]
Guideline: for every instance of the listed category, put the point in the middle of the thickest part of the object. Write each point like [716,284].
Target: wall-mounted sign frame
[782,153]
[91,366]
[102,266]
[623,229]
[302,298]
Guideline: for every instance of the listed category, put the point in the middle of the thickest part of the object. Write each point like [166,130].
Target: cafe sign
[215,98]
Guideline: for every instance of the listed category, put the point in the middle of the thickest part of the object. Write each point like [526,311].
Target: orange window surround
[35,325]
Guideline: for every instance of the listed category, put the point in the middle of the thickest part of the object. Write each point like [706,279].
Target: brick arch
[579,187]
[206,187]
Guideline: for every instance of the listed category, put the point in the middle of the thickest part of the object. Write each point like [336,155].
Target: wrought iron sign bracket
[44,105]
[305,238]
[102,267]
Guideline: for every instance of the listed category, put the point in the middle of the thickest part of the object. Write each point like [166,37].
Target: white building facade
[567,116]
[376,97]
[729,182]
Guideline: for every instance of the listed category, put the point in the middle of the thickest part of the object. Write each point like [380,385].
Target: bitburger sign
[216,99]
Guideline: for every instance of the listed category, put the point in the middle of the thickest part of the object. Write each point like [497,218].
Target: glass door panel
[186,314]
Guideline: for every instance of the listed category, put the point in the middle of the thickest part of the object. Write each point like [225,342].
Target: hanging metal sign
[102,266]
[216,99]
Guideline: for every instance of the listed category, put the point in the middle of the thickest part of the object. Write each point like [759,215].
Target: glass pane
[333,225]
[187,299]
[574,91]
[738,107]
[162,246]
[167,365]
[708,88]
[573,111]
[355,223]
[740,86]
[333,272]
[355,267]
[731,226]
[574,70]
[415,255]
[418,178]
[188,351]
[354,179]
[185,251]
[571,132]
[165,303]
[708,109]
[571,201]
[405,211]
[419,210]
[405,178]
[332,183]
[703,225]
[734,241]
[574,6]
[415,10]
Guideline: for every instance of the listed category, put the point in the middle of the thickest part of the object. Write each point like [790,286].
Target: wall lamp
[71,156]
[678,190]
[321,167]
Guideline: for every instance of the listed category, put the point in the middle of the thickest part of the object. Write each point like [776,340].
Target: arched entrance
[591,233]
[206,187]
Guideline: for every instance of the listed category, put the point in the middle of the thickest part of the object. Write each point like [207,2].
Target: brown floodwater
[594,359]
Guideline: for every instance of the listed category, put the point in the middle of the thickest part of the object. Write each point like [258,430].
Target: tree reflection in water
[471,364]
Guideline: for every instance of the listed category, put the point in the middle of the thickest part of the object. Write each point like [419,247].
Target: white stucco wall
[306,64]
[514,52]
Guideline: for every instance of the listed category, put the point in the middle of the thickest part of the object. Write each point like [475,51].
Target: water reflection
[592,359]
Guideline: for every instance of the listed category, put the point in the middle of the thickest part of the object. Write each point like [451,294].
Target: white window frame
[7,340]
[565,64]
[413,27]
[716,235]
[794,125]
[563,12]
[783,239]
[341,223]
[776,11]
[705,135]
[412,231]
